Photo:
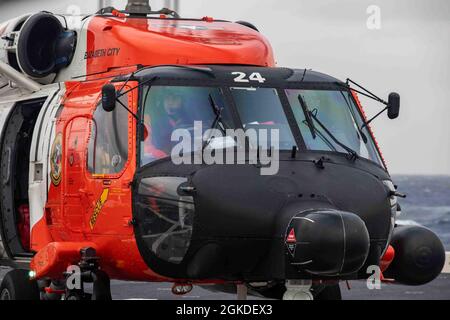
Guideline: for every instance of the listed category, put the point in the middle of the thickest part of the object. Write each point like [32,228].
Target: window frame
[227,99]
[285,110]
[353,113]
[130,130]
[280,87]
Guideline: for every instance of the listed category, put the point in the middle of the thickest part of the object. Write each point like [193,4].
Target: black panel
[241,217]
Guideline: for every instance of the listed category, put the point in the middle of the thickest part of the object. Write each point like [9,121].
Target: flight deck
[439,289]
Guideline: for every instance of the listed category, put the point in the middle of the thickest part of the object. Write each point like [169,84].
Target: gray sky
[410,54]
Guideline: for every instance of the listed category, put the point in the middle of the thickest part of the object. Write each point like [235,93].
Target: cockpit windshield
[168,108]
[326,119]
[333,111]
[260,110]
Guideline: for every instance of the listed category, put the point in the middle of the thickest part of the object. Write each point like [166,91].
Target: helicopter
[91,186]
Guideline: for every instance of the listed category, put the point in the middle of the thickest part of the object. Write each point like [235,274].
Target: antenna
[172,4]
[142,7]
[104,4]
[138,7]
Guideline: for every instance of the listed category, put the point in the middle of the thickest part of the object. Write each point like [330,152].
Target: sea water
[427,203]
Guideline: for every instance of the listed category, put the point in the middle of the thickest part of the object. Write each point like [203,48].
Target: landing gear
[17,286]
[73,286]
[298,290]
[273,290]
[101,287]
[77,296]
[242,292]
[327,292]
[88,272]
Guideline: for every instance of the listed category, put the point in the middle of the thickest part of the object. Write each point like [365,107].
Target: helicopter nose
[280,227]
[327,242]
[315,242]
[241,225]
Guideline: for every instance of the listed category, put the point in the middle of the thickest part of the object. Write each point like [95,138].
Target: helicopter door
[111,167]
[76,195]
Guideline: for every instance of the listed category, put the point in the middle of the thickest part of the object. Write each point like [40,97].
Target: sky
[408,52]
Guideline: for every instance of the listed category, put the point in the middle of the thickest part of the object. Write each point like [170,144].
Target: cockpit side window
[171,109]
[331,111]
[108,142]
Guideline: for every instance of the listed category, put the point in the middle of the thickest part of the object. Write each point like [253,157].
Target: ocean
[427,203]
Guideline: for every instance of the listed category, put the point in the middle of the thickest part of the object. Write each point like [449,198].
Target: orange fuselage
[85,210]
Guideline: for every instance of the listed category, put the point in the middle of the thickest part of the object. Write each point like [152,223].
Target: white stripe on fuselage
[43,138]
[77,68]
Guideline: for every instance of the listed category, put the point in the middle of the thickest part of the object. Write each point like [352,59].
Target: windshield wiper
[324,139]
[308,118]
[309,122]
[217,121]
[354,155]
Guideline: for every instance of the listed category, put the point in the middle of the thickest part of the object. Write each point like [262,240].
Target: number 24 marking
[242,77]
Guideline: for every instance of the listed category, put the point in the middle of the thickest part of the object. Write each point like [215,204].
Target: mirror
[393,106]
[109,97]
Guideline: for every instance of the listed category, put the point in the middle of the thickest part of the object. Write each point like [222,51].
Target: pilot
[173,106]
[108,156]
[107,160]
[150,152]
[167,114]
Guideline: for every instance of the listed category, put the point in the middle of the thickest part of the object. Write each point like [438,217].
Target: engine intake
[44,47]
[38,45]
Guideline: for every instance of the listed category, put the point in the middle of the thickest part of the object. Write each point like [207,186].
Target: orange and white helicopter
[87,178]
